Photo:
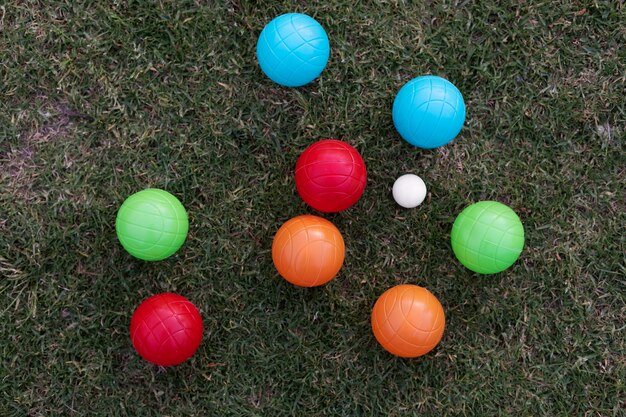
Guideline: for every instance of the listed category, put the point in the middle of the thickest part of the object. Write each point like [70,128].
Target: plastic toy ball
[409,191]
[487,237]
[428,111]
[293,49]
[408,321]
[308,251]
[152,224]
[330,175]
[166,329]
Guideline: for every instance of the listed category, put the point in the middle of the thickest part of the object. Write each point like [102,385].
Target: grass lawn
[102,99]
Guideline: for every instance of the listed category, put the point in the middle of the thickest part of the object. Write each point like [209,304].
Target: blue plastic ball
[428,111]
[293,49]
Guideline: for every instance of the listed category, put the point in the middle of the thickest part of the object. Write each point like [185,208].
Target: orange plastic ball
[408,321]
[308,251]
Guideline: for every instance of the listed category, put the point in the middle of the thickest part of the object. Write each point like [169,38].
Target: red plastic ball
[330,175]
[166,329]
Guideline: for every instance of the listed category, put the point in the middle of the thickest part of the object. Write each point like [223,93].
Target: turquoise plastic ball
[428,111]
[293,49]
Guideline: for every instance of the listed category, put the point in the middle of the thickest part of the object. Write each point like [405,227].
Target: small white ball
[409,191]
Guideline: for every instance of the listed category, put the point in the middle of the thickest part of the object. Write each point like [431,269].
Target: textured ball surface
[428,111]
[487,237]
[409,191]
[166,329]
[330,175]
[308,251]
[152,224]
[408,321]
[293,49]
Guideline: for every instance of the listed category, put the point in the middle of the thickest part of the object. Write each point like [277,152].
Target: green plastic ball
[487,237]
[152,224]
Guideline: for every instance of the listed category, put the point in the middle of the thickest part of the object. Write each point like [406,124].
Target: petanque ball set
[330,175]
